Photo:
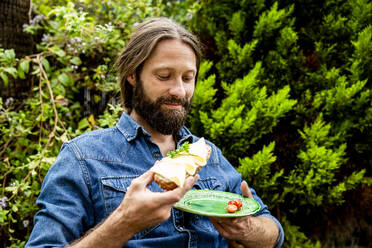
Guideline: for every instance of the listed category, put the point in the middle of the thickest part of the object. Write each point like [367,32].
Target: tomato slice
[238,203]
[231,208]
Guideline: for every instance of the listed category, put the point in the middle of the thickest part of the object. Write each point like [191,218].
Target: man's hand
[250,231]
[139,210]
[143,208]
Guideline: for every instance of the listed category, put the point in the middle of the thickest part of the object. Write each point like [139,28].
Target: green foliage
[313,181]
[294,237]
[11,66]
[231,125]
[285,92]
[297,75]
[257,170]
[79,44]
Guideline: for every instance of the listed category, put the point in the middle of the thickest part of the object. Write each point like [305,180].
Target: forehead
[172,54]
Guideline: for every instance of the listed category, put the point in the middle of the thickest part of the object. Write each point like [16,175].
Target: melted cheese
[200,151]
[175,169]
[188,162]
[173,172]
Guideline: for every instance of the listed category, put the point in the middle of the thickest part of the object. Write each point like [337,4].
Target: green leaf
[25,65]
[4,77]
[9,57]
[75,61]
[11,70]
[15,208]
[21,74]
[180,150]
[57,50]
[65,79]
[45,64]
[84,123]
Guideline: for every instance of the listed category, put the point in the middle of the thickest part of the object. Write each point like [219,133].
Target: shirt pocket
[200,221]
[114,189]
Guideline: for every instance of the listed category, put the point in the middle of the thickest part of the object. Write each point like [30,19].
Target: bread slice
[172,172]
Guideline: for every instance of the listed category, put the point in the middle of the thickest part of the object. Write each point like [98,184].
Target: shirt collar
[131,130]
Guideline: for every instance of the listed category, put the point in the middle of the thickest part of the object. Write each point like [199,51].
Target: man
[100,192]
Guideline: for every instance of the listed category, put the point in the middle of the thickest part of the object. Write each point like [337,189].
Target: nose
[178,88]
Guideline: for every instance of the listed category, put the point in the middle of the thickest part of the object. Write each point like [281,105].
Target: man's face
[163,92]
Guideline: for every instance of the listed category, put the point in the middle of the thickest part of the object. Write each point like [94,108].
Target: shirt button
[181,228]
[156,154]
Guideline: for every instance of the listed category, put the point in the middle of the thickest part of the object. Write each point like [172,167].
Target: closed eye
[163,78]
[188,79]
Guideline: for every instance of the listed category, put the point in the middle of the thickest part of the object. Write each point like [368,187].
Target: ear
[132,79]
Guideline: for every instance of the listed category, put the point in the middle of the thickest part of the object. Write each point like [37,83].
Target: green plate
[213,203]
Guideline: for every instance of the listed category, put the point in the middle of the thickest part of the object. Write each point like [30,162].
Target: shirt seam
[82,166]
[227,182]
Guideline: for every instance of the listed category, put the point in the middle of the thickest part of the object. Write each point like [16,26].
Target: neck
[166,143]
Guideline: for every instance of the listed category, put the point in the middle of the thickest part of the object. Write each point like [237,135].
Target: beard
[164,120]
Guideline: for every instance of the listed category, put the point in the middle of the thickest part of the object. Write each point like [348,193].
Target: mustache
[173,100]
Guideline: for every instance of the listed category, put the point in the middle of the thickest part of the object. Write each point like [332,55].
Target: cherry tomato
[238,203]
[231,208]
[231,203]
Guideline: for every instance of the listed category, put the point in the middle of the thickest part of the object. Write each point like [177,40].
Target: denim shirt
[92,174]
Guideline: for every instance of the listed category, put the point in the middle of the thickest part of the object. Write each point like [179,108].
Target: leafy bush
[285,92]
[292,109]
[74,90]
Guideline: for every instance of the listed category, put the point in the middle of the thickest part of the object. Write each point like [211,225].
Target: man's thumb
[245,190]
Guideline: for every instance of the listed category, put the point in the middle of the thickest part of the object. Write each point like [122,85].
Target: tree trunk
[13,14]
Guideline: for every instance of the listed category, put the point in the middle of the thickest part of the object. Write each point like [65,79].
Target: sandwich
[187,160]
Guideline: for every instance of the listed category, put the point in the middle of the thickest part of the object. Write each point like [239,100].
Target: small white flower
[26,223]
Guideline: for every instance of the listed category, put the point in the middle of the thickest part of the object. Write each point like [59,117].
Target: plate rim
[182,206]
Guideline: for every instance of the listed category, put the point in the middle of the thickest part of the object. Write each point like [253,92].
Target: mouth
[173,105]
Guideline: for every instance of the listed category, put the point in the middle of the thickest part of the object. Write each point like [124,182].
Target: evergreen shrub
[291,109]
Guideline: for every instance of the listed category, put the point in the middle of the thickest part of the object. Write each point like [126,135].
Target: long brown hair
[140,46]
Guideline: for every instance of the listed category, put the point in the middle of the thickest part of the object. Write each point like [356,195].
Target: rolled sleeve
[235,180]
[264,212]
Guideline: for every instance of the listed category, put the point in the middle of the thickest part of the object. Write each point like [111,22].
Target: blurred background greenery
[284,91]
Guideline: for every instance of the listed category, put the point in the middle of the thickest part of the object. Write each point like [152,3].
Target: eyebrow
[171,69]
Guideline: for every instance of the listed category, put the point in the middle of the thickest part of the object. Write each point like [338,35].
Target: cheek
[190,90]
